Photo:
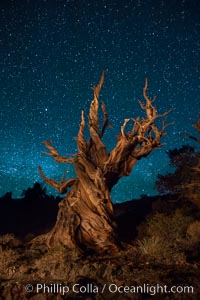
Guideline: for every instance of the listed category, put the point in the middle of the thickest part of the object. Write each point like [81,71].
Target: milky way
[53,52]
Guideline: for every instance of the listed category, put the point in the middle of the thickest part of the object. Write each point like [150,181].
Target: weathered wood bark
[85,218]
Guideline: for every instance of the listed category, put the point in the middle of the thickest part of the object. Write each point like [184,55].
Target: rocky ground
[28,270]
[53,270]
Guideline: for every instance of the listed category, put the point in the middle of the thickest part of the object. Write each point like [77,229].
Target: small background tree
[185,180]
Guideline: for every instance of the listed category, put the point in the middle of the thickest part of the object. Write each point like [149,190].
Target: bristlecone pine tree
[85,219]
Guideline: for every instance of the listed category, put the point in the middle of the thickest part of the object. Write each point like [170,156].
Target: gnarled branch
[93,113]
[53,152]
[62,186]
[82,144]
[105,120]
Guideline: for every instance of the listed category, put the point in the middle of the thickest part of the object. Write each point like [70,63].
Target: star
[54,52]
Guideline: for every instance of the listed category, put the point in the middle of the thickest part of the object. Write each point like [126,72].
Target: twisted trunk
[81,224]
[85,219]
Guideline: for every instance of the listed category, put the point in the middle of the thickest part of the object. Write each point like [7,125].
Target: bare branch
[141,104]
[191,137]
[98,87]
[135,125]
[62,187]
[164,126]
[93,114]
[150,110]
[139,142]
[165,113]
[197,126]
[82,144]
[53,152]
[123,127]
[99,149]
[105,120]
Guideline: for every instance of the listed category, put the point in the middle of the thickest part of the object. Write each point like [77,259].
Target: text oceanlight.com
[55,288]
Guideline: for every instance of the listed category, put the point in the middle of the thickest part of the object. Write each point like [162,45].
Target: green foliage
[164,236]
[185,180]
[151,246]
[183,160]
[171,227]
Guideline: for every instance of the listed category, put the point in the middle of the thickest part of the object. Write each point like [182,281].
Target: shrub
[164,236]
[151,246]
[9,240]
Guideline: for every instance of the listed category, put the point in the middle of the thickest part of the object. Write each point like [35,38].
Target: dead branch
[53,152]
[62,186]
[105,120]
[123,127]
[93,113]
[82,144]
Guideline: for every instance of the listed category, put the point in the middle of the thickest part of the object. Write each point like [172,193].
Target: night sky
[53,52]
